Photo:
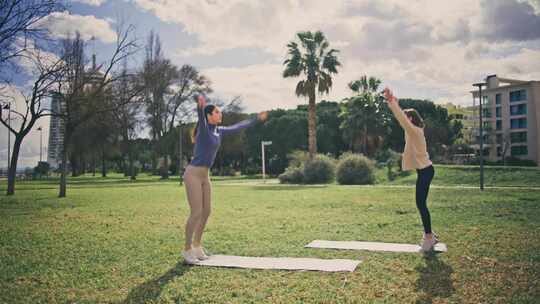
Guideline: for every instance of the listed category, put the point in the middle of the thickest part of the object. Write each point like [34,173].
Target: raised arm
[243,124]
[201,103]
[393,104]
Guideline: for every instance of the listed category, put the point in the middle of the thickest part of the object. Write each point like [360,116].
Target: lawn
[470,176]
[115,241]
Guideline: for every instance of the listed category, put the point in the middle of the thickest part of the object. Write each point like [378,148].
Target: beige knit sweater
[415,154]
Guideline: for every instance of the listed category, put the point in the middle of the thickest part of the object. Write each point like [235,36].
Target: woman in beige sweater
[415,156]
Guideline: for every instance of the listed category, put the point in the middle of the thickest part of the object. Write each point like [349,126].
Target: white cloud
[222,25]
[92,2]
[439,46]
[62,24]
[32,55]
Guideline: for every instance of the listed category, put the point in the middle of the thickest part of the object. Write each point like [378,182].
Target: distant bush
[320,170]
[355,169]
[292,175]
[302,170]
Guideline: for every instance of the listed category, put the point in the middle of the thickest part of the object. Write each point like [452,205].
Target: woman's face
[215,117]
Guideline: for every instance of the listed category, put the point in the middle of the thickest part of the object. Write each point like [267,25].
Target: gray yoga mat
[373,246]
[280,263]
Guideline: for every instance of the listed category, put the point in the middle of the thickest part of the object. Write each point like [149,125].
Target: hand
[262,116]
[389,96]
[201,101]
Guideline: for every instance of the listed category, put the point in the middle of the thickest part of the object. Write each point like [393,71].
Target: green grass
[115,241]
[470,176]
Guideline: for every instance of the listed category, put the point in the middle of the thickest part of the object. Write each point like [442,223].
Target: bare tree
[127,93]
[79,86]
[158,74]
[49,71]
[19,30]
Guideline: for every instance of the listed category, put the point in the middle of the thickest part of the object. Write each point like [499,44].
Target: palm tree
[364,117]
[310,56]
[365,85]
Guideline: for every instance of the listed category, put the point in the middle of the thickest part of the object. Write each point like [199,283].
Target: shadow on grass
[151,290]
[435,280]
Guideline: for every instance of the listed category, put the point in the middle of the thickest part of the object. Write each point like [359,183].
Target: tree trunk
[93,164]
[73,162]
[103,165]
[312,126]
[165,169]
[365,141]
[64,171]
[12,173]
[131,167]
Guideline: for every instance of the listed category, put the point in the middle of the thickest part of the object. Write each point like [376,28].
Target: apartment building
[511,118]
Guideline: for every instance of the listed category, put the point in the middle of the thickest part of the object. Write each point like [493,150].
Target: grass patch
[116,241]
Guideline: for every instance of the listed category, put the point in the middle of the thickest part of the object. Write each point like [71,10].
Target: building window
[518,137]
[498,99]
[518,123]
[499,151]
[486,151]
[498,112]
[487,125]
[499,138]
[519,150]
[499,125]
[518,95]
[519,109]
[486,113]
[484,100]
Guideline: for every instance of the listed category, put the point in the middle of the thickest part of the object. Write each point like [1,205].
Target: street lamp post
[264,143]
[480,85]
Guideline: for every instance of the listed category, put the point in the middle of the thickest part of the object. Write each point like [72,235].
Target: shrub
[355,169]
[320,170]
[292,175]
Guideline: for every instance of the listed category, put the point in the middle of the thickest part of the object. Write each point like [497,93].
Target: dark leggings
[422,188]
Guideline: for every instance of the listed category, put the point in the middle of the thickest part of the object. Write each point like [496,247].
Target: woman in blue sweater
[207,138]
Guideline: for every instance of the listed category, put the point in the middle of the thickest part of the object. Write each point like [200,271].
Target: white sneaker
[427,244]
[190,257]
[199,253]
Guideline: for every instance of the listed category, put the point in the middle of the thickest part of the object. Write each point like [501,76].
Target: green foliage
[292,175]
[355,169]
[309,55]
[365,117]
[319,170]
[42,169]
[390,159]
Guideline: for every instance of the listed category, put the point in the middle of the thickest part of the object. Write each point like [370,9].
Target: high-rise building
[56,133]
[511,118]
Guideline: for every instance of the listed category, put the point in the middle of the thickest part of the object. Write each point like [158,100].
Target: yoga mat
[280,263]
[373,246]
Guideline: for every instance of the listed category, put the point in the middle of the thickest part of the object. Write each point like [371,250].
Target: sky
[420,48]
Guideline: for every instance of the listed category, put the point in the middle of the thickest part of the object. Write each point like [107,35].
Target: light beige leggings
[198,191]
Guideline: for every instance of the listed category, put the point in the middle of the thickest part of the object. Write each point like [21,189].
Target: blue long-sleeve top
[208,139]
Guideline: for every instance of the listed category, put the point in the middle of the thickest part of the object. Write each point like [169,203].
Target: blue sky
[422,49]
